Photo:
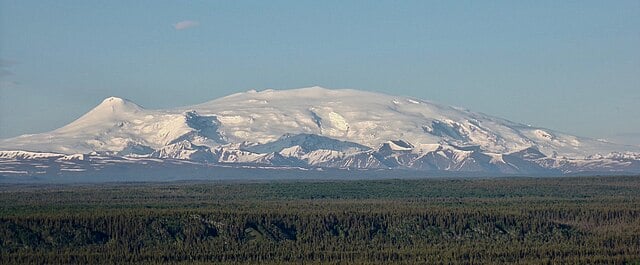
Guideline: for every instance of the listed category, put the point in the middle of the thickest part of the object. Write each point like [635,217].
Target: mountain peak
[316,88]
[114,100]
[116,104]
[110,110]
[312,92]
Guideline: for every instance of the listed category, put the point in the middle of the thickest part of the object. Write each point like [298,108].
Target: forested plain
[574,220]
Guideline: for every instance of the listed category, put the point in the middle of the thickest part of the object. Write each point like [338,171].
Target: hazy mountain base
[446,221]
[98,169]
[166,172]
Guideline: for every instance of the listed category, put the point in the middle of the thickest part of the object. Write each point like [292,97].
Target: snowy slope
[356,116]
[319,127]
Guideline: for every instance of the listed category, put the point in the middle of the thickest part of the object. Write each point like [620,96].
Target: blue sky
[572,66]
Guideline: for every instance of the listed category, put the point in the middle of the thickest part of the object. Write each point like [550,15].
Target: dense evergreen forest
[575,220]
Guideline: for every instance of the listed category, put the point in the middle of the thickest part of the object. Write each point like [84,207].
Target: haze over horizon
[571,67]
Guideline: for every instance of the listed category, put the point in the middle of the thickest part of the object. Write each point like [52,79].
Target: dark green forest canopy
[489,220]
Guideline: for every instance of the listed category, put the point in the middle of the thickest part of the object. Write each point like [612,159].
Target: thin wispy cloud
[5,72]
[8,84]
[4,67]
[185,24]
[6,75]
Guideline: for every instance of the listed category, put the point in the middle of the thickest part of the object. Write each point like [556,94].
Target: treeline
[175,227]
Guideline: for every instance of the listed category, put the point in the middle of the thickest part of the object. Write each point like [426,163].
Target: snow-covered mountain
[318,127]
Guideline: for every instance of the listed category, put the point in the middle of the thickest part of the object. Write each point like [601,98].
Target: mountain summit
[319,127]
